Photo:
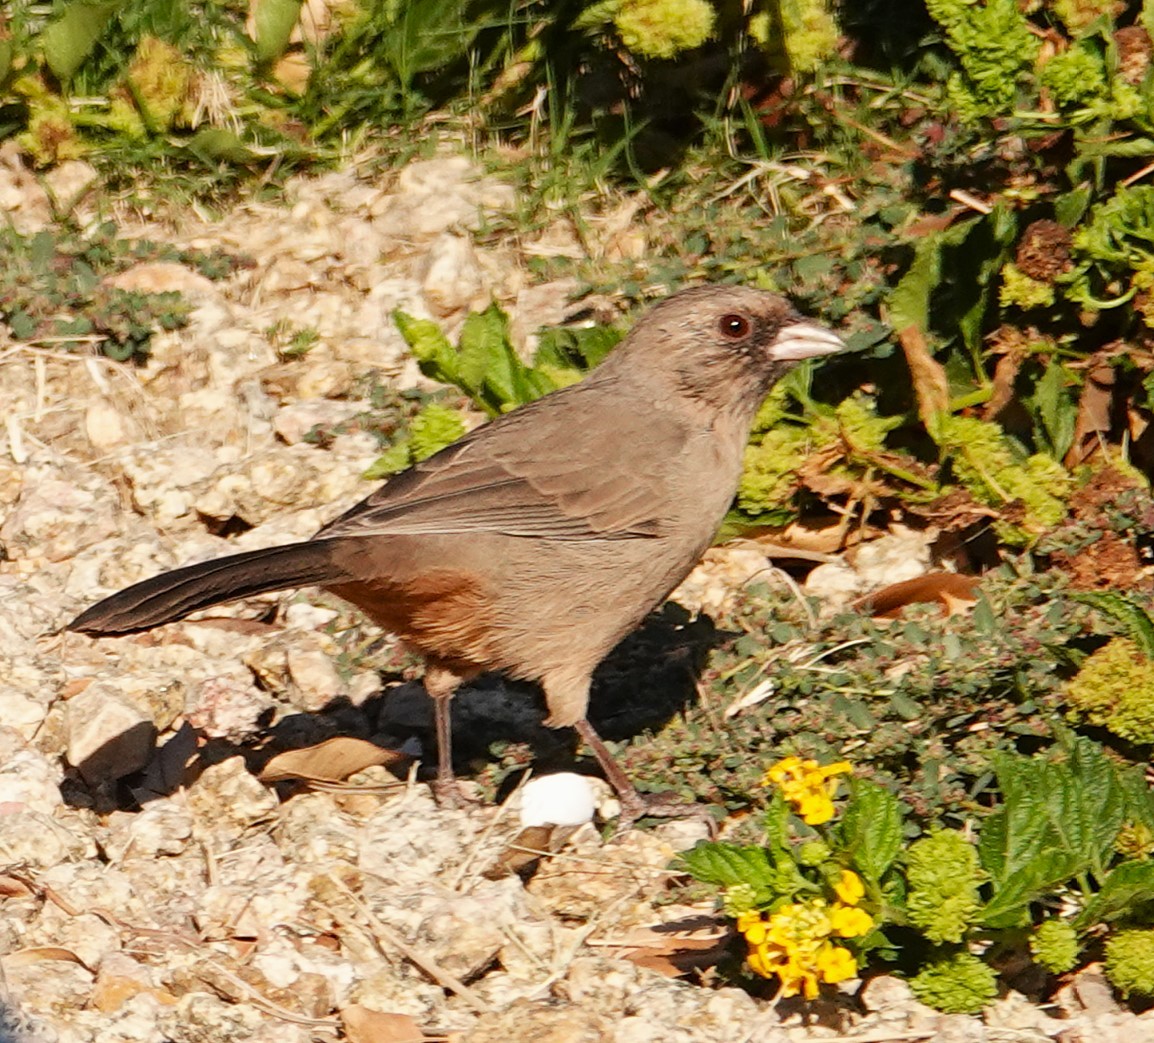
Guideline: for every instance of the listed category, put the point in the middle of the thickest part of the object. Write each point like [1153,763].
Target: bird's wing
[554,469]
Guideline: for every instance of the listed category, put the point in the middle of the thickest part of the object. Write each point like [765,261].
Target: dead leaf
[527,848]
[364,1025]
[954,593]
[1005,373]
[929,376]
[13,887]
[672,952]
[1093,422]
[330,761]
[41,953]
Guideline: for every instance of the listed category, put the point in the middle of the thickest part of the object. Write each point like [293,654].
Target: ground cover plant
[968,196]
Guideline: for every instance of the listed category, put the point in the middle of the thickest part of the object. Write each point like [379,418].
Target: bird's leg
[636,805]
[441,684]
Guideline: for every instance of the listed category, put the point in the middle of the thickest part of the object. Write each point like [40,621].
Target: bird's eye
[735,327]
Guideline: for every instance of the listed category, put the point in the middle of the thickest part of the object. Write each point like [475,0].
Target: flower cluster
[796,943]
[808,786]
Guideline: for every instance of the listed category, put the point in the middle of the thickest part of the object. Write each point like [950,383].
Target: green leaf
[1127,612]
[273,24]
[484,351]
[1071,207]
[1057,820]
[69,39]
[728,864]
[1056,409]
[1129,885]
[909,302]
[433,352]
[427,36]
[871,829]
[214,145]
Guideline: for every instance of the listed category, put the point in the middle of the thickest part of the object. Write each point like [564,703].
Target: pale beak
[804,340]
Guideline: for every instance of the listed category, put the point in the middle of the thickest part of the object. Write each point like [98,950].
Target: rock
[884,992]
[452,279]
[104,424]
[29,781]
[228,799]
[107,736]
[162,277]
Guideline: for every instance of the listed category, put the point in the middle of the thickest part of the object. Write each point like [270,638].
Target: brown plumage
[536,542]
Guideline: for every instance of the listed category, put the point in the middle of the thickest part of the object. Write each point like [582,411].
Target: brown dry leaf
[954,593]
[330,761]
[929,376]
[13,887]
[1093,421]
[364,1025]
[673,954]
[41,953]
[819,534]
[1005,373]
[527,848]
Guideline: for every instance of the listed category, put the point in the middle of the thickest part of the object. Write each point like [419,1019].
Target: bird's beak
[804,340]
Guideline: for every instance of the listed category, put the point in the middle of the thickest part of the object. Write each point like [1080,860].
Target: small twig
[960,195]
[475,847]
[381,932]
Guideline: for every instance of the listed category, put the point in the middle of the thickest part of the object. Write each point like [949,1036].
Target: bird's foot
[635,805]
[451,793]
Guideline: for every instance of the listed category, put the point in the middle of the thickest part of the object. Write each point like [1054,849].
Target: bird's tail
[173,595]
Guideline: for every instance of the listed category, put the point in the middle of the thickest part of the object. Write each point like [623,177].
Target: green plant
[1053,830]
[54,288]
[486,367]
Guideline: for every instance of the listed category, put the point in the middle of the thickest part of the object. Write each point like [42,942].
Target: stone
[107,736]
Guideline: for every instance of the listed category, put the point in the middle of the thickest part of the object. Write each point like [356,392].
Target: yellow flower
[836,964]
[848,922]
[746,920]
[849,888]
[794,944]
[808,786]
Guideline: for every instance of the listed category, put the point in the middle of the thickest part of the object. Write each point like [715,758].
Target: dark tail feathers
[173,595]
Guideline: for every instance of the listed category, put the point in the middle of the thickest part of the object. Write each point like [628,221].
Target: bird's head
[723,345]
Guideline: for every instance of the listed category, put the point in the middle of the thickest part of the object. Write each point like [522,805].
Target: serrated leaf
[69,39]
[1057,820]
[1127,886]
[726,865]
[871,829]
[1127,612]
[483,352]
[434,354]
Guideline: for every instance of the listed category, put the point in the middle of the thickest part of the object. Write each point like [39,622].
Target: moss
[1130,962]
[985,462]
[1019,290]
[1075,77]
[1055,946]
[957,983]
[810,33]
[994,47]
[1115,690]
[664,28]
[159,80]
[770,473]
[943,875]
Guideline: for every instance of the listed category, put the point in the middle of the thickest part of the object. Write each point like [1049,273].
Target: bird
[534,543]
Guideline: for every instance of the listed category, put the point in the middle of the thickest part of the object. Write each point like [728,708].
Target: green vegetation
[963,188]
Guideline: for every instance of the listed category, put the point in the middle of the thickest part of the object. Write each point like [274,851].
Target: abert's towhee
[536,542]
